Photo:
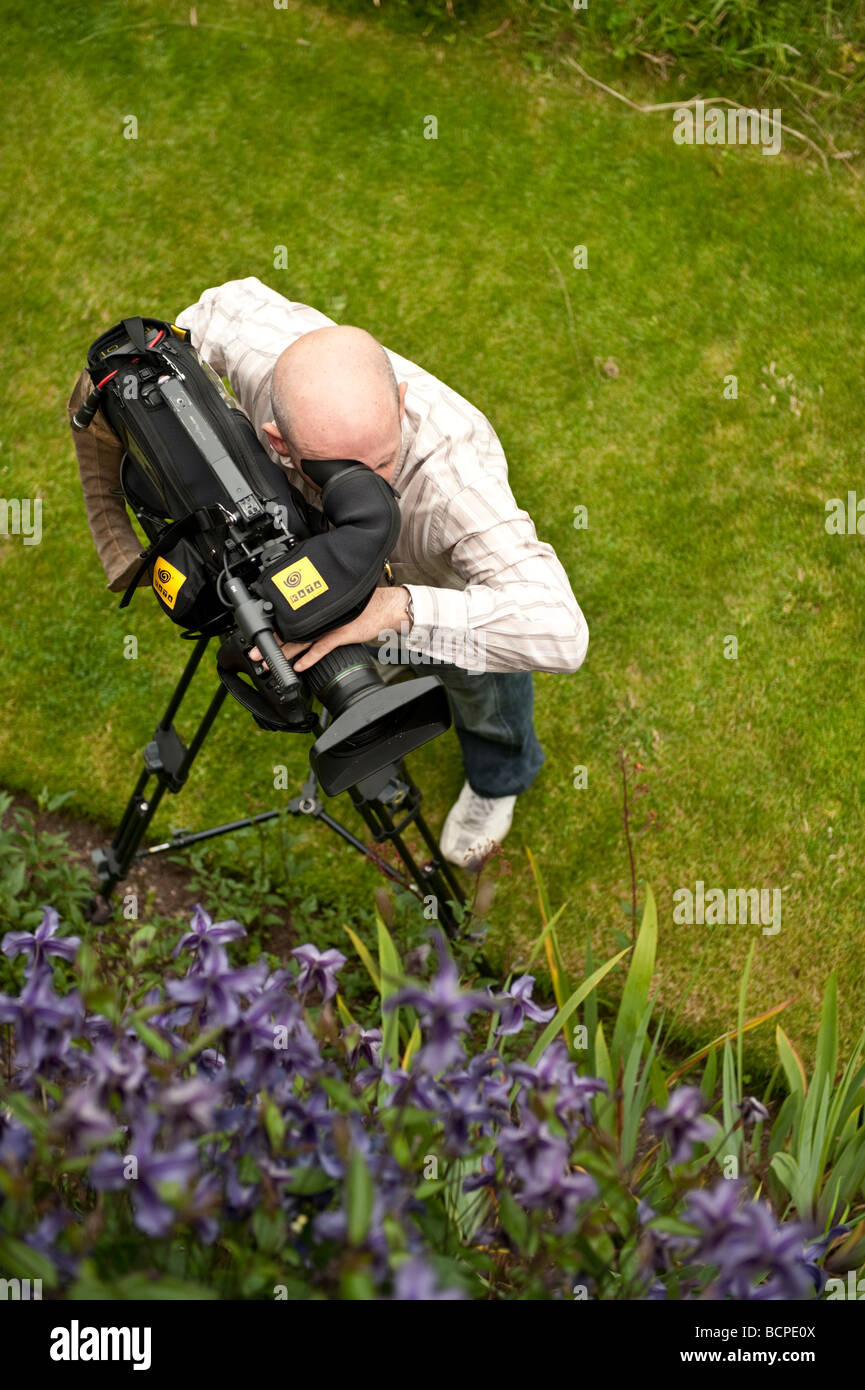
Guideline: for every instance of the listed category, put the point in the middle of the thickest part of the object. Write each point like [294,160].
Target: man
[472,582]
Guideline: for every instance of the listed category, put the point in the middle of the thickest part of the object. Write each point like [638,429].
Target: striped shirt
[480,579]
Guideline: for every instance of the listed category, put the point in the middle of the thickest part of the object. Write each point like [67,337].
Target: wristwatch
[410,610]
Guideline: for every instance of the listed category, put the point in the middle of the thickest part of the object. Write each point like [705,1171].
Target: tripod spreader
[389,802]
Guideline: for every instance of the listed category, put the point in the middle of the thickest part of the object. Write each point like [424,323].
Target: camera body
[235,551]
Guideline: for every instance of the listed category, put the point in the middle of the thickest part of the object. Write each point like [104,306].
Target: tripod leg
[166,760]
[401,793]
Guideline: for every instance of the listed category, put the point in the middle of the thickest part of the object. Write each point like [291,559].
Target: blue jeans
[493,718]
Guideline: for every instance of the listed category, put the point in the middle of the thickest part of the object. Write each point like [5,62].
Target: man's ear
[275,439]
[402,388]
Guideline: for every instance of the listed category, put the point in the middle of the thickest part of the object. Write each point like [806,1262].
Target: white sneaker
[474,826]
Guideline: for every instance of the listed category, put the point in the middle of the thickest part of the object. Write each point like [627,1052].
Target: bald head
[334,395]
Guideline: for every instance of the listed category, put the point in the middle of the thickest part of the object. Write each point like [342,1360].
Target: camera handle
[252,616]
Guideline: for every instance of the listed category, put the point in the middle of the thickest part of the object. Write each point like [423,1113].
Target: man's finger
[289,650]
[340,637]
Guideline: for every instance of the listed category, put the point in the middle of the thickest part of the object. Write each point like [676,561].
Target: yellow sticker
[168,580]
[300,583]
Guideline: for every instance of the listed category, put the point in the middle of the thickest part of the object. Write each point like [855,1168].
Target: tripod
[388,800]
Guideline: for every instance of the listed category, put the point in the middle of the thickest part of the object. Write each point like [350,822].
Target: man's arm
[517,611]
[99,454]
[240,328]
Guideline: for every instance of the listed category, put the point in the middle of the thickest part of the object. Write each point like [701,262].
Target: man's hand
[386,610]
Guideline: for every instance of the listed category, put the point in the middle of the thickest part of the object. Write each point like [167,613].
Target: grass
[259,128]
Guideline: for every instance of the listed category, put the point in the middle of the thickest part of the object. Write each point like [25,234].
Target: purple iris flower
[196,1098]
[539,1160]
[556,1072]
[82,1120]
[485,1078]
[43,1238]
[681,1123]
[255,1037]
[310,1114]
[205,932]
[202,1210]
[533,1155]
[657,1248]
[484,1177]
[714,1211]
[151,1169]
[16,1142]
[762,1259]
[363,1044]
[42,943]
[460,1117]
[516,1005]
[294,1048]
[815,1250]
[412,1088]
[118,1067]
[318,970]
[443,1007]
[416,1282]
[752,1111]
[215,988]
[476,1098]
[44,1021]
[757,1257]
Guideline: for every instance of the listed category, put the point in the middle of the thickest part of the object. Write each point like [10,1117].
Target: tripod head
[236,551]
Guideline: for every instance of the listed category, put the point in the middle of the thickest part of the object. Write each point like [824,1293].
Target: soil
[166,881]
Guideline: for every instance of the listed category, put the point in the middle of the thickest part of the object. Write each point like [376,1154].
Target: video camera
[235,551]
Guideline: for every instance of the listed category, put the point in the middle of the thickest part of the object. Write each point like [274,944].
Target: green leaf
[710,1075]
[359,1197]
[274,1123]
[365,956]
[791,1062]
[729,1090]
[603,1065]
[135,1287]
[576,999]
[514,1219]
[635,996]
[826,1060]
[358,1286]
[20,1261]
[207,1039]
[788,1172]
[731,1033]
[635,1086]
[743,992]
[412,1046]
[306,1182]
[269,1229]
[391,977]
[550,926]
[155,1041]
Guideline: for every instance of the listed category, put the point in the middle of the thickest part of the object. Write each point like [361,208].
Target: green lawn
[259,128]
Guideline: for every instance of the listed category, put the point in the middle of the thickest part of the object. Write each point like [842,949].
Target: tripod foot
[99,910]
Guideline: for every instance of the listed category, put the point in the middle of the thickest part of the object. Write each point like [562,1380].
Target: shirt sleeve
[517,611]
[240,329]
